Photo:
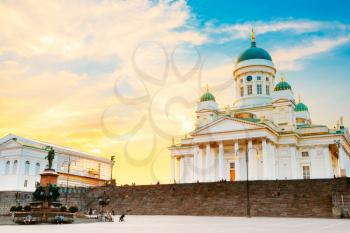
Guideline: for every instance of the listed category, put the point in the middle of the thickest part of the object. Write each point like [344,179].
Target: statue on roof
[50,157]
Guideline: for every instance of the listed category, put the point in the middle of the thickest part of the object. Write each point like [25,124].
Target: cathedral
[265,135]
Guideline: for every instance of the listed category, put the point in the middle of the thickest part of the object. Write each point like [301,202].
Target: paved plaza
[190,224]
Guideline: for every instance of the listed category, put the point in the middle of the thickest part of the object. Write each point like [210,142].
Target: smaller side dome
[301,107]
[283,85]
[207,96]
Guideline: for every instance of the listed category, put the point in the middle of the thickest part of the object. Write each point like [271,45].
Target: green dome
[300,107]
[282,85]
[254,53]
[207,96]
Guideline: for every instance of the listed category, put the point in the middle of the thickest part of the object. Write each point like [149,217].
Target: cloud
[60,62]
[53,58]
[291,58]
[243,30]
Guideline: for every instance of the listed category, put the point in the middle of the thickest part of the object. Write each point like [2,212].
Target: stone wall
[294,198]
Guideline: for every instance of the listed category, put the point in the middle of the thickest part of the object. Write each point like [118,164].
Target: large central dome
[254,53]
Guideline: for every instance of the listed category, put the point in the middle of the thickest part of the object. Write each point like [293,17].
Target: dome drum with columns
[265,122]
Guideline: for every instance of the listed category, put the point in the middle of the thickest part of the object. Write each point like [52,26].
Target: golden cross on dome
[253,35]
[207,88]
[299,99]
[282,77]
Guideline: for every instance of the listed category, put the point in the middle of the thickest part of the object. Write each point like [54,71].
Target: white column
[172,169]
[237,161]
[207,171]
[313,154]
[342,160]
[200,165]
[182,169]
[265,160]
[195,163]
[272,161]
[178,170]
[213,165]
[293,161]
[252,168]
[327,162]
[221,161]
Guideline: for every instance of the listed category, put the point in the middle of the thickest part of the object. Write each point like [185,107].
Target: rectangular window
[306,172]
[305,154]
[259,89]
[250,89]
[258,78]
[25,183]
[242,91]
[267,89]
[232,165]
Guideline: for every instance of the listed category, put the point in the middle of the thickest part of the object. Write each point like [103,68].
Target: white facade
[265,126]
[22,160]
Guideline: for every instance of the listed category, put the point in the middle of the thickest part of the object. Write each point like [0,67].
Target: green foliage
[13,208]
[63,209]
[73,209]
[19,208]
[27,208]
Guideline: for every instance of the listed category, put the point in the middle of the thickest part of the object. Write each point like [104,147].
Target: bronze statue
[50,157]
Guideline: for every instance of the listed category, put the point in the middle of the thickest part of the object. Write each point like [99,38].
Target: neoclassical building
[265,126]
[22,160]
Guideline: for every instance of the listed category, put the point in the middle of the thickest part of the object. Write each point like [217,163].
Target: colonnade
[211,161]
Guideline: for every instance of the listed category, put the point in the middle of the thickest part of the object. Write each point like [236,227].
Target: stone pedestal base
[48,177]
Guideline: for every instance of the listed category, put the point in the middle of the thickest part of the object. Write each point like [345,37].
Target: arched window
[14,167]
[259,89]
[7,168]
[26,168]
[37,168]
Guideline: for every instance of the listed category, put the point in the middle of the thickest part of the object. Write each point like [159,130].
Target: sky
[123,77]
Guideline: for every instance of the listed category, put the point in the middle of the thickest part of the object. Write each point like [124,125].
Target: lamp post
[247,175]
[68,172]
[103,200]
[113,162]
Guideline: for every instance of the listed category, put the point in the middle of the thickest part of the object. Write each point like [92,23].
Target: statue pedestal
[49,176]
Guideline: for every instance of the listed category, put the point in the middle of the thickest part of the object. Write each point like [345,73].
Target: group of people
[107,216]
[59,219]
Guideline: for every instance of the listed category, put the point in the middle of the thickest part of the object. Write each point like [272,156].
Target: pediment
[10,144]
[227,125]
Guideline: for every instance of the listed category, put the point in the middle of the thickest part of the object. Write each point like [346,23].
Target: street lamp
[68,171]
[104,200]
[113,162]
[247,173]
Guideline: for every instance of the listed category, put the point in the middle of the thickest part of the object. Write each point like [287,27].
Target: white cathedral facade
[265,135]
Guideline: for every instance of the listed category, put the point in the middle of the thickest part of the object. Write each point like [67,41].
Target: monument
[45,207]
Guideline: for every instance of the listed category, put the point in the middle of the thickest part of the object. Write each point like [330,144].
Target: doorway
[232,171]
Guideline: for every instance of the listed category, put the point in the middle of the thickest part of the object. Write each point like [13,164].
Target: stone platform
[191,224]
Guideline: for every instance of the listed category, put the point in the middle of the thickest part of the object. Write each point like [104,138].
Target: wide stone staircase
[341,205]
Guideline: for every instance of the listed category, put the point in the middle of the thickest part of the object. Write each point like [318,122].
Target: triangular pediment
[227,125]
[10,144]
